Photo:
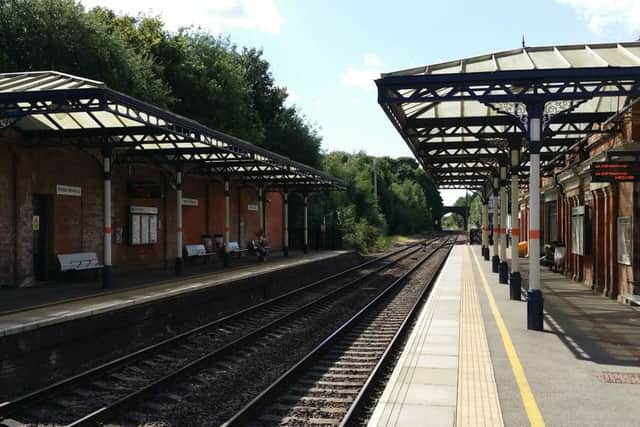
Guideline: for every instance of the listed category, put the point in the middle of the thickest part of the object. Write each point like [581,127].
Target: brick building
[71,148]
[597,222]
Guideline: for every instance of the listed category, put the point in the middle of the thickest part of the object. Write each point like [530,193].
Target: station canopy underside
[461,117]
[55,109]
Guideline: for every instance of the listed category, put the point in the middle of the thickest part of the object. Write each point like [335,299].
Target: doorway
[41,221]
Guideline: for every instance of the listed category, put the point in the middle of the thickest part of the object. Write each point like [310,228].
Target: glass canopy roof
[52,108]
[459,117]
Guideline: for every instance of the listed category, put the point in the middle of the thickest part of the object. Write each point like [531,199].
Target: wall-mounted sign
[68,190]
[189,202]
[35,223]
[615,171]
[143,210]
[252,208]
[143,225]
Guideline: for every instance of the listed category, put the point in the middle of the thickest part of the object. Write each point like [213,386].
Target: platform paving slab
[444,369]
[585,335]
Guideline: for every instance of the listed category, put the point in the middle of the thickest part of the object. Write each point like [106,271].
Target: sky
[327,53]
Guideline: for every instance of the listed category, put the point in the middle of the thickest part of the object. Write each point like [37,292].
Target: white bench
[79,261]
[198,250]
[234,248]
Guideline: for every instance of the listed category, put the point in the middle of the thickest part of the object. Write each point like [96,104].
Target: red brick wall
[7,211]
[78,221]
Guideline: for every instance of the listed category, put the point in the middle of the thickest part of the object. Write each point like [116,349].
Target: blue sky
[327,53]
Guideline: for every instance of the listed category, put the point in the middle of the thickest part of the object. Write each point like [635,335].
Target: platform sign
[252,208]
[68,190]
[190,202]
[615,171]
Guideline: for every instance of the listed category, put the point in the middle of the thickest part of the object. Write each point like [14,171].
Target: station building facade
[52,203]
[598,223]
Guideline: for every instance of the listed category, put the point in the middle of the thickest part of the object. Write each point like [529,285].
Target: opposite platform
[29,319]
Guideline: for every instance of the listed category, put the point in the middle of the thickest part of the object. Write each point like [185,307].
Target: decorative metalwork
[7,122]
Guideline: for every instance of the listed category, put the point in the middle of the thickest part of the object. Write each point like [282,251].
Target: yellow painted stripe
[529,402]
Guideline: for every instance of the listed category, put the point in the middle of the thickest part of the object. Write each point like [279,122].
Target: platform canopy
[52,108]
[460,117]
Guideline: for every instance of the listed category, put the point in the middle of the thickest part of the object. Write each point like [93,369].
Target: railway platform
[470,360]
[32,308]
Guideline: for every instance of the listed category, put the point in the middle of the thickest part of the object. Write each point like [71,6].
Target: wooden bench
[79,261]
[196,251]
[234,248]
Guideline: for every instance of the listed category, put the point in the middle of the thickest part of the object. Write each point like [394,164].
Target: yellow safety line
[530,405]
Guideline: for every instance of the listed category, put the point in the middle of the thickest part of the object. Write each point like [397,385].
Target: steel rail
[108,411]
[262,399]
[364,396]
[10,407]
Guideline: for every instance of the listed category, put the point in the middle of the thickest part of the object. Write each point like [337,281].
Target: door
[41,243]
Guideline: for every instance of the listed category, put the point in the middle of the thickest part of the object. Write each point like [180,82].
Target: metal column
[495,259]
[534,298]
[306,224]
[107,270]
[261,209]
[179,260]
[225,257]
[515,281]
[503,267]
[285,225]
[485,229]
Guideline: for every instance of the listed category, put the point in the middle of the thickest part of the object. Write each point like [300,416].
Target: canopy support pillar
[535,300]
[515,281]
[485,229]
[503,267]
[495,259]
[107,269]
[179,259]
[305,248]
[285,221]
[225,245]
[261,209]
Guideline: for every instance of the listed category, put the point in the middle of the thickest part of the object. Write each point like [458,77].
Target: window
[624,233]
[552,228]
[578,227]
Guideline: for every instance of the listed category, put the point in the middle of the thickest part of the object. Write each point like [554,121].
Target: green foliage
[456,222]
[191,72]
[407,198]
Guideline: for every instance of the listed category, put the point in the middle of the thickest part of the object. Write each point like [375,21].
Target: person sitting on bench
[260,245]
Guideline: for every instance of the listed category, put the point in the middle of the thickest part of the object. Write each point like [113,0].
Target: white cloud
[212,15]
[609,16]
[363,77]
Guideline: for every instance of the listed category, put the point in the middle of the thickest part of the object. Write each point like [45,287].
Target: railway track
[99,393]
[334,383]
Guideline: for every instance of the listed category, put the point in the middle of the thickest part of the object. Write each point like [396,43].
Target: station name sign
[615,171]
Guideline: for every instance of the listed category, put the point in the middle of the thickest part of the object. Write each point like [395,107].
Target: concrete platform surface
[92,303]
[583,370]
[470,361]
